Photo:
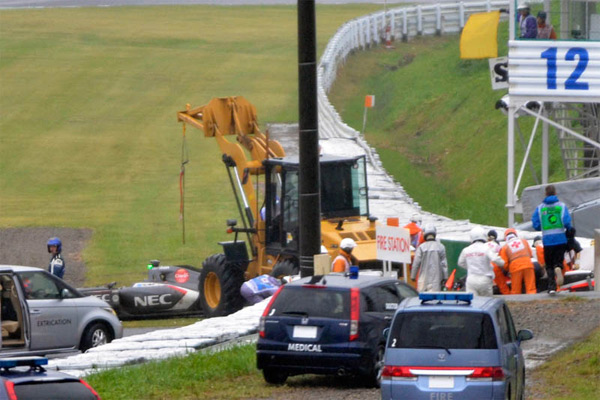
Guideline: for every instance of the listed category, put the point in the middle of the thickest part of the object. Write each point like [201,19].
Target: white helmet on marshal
[478,233]
[347,244]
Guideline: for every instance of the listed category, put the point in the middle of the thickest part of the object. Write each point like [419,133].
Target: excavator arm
[228,116]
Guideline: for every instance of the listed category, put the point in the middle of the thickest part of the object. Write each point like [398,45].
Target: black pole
[310,205]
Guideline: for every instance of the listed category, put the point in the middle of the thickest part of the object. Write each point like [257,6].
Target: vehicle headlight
[110,310]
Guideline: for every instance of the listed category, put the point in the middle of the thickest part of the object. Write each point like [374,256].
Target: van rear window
[450,330]
[312,302]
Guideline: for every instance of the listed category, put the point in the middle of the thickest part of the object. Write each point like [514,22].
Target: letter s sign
[499,72]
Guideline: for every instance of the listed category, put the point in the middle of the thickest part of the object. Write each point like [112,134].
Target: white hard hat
[429,230]
[415,218]
[523,6]
[347,243]
[478,233]
[323,249]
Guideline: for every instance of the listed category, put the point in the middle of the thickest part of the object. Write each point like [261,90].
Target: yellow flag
[479,38]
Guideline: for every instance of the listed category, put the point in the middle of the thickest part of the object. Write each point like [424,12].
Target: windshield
[344,189]
[312,302]
[449,330]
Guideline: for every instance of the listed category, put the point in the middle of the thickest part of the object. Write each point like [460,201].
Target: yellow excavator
[265,185]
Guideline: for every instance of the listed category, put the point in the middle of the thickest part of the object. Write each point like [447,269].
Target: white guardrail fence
[363,32]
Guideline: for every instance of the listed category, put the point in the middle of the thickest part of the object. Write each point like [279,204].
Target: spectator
[527,22]
[257,289]
[544,31]
[477,260]
[345,259]
[499,273]
[57,264]
[552,218]
[516,254]
[430,263]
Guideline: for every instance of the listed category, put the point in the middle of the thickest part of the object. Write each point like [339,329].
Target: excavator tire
[219,286]
[284,268]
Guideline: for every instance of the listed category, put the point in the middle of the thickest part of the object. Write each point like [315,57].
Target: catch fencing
[395,24]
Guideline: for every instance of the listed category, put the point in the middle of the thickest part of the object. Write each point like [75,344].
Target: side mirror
[524,334]
[386,333]
[65,293]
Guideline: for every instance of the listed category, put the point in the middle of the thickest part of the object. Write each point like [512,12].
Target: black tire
[219,287]
[284,268]
[274,377]
[95,335]
[373,379]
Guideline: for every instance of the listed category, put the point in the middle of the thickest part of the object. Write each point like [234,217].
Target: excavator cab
[343,196]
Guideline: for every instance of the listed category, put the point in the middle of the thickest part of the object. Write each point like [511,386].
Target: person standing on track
[430,263]
[517,254]
[553,219]
[344,260]
[57,263]
[477,259]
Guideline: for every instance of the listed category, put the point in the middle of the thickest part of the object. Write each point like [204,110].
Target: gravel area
[27,246]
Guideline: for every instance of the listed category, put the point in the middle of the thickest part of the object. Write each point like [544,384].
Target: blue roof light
[23,361]
[458,296]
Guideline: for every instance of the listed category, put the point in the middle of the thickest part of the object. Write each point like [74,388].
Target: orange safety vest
[341,263]
[516,255]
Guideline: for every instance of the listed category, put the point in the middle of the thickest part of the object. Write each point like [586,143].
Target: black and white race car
[169,291]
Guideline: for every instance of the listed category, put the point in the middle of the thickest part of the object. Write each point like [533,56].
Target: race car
[169,291]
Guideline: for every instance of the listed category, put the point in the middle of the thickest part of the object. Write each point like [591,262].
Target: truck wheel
[94,335]
[219,286]
[284,268]
[274,377]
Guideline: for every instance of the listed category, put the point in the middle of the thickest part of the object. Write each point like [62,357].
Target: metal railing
[398,24]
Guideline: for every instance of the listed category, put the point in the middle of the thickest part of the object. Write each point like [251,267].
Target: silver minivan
[42,314]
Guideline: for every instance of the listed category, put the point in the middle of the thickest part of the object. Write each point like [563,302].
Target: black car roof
[341,281]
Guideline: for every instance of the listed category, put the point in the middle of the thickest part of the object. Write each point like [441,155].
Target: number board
[565,71]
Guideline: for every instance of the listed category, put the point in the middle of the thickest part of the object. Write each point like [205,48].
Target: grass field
[437,131]
[90,138]
[89,134]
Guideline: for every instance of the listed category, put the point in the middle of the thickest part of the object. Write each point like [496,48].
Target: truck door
[53,319]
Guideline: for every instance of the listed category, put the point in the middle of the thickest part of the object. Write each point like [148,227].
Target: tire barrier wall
[370,30]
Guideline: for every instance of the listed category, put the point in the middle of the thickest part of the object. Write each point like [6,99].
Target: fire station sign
[393,244]
[565,71]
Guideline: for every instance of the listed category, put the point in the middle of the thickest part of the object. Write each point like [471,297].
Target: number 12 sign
[560,70]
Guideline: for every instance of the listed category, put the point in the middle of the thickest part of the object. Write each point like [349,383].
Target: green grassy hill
[90,138]
[435,125]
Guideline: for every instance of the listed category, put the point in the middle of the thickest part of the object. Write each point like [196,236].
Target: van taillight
[10,390]
[261,322]
[354,312]
[487,373]
[392,371]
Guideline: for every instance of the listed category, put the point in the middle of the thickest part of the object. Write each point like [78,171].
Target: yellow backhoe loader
[265,186]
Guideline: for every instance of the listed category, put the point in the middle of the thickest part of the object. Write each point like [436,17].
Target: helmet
[509,231]
[415,218]
[523,6]
[54,242]
[323,250]
[477,233]
[429,231]
[492,234]
[347,244]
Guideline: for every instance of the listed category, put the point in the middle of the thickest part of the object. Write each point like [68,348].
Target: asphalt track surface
[117,3]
